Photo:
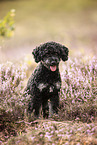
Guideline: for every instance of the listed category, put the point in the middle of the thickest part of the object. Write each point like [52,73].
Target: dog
[45,83]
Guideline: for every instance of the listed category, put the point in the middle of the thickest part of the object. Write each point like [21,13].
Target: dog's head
[50,54]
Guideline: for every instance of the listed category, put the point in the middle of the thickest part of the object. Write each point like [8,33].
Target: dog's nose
[53,63]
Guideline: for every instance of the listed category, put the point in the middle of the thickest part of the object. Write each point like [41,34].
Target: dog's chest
[49,87]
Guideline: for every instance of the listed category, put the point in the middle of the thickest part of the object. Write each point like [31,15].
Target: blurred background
[70,22]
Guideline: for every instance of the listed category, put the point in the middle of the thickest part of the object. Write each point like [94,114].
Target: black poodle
[45,83]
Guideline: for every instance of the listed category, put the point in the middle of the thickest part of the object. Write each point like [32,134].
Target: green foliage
[7,24]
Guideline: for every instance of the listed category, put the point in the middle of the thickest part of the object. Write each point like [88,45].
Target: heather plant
[78,95]
[77,102]
[12,102]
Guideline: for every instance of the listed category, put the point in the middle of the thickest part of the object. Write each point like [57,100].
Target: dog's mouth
[53,68]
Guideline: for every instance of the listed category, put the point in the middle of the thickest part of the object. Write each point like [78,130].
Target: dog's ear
[64,53]
[36,54]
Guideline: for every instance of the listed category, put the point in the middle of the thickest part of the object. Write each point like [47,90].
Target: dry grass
[58,133]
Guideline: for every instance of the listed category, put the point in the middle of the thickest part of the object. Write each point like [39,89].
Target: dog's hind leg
[30,105]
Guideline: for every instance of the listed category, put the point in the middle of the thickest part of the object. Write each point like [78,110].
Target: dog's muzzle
[52,66]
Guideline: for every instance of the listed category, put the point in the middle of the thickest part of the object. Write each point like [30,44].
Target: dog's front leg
[34,105]
[37,106]
[45,108]
[54,104]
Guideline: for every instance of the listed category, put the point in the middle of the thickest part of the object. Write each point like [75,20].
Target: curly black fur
[45,83]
